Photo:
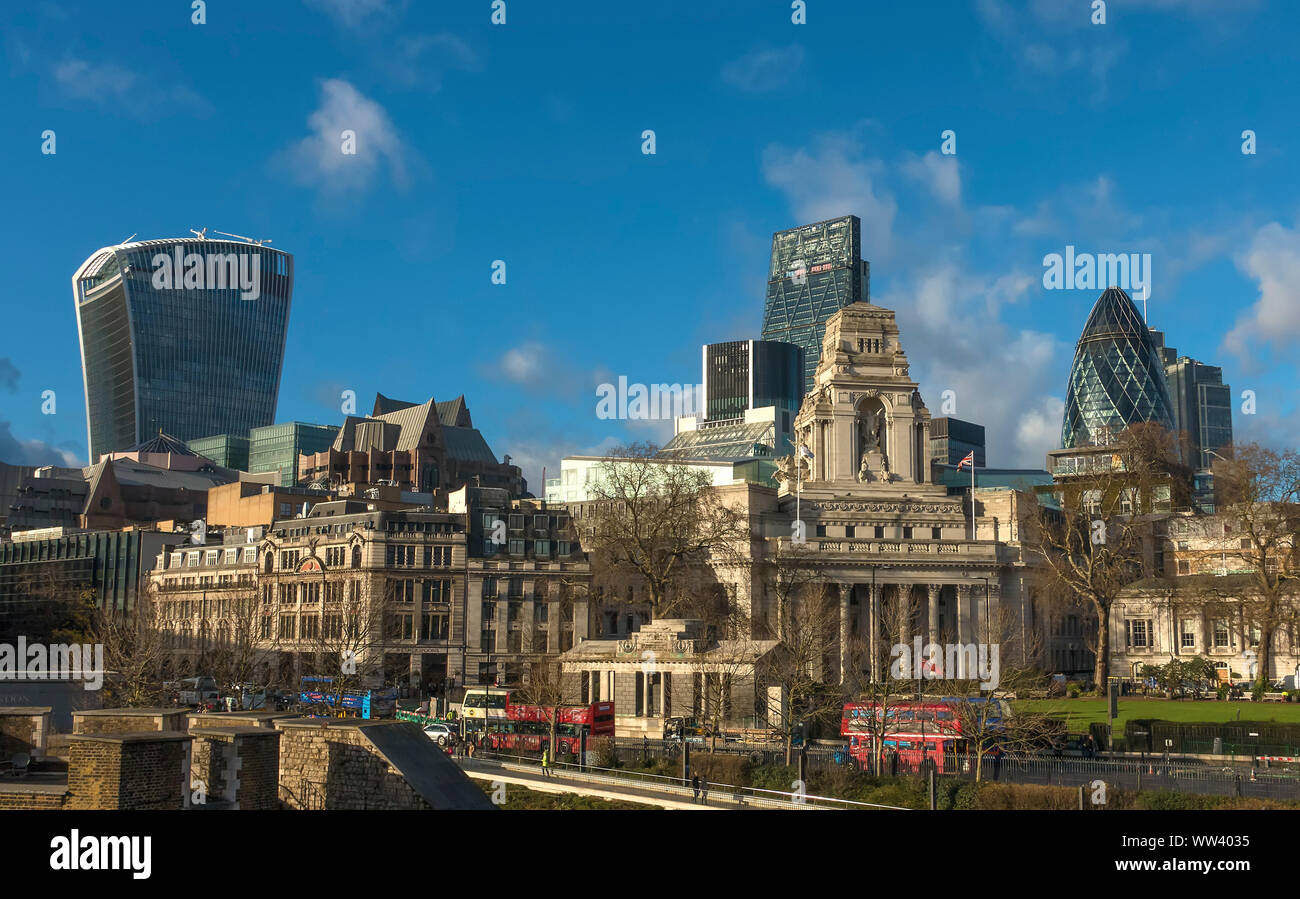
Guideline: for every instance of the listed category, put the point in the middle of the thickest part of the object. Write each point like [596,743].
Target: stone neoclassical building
[899,556]
[880,535]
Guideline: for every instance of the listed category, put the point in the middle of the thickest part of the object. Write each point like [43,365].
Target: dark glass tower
[184,336]
[1117,378]
[816,271]
[752,374]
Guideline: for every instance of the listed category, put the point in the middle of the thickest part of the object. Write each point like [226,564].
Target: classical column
[904,613]
[933,590]
[846,591]
[992,631]
[963,621]
[873,629]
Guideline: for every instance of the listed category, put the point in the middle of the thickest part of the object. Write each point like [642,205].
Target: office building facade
[952,439]
[816,270]
[184,336]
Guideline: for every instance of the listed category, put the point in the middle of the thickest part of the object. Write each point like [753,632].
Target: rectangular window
[936,533]
[850,531]
[1188,637]
[1221,636]
[821,530]
[907,533]
[1138,633]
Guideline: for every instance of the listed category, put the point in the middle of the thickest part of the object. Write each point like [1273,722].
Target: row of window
[230,555]
[878,532]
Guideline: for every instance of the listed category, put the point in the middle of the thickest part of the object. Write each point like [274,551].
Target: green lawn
[1079,713]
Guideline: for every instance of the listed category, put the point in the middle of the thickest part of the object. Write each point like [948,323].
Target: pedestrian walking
[695,788]
[997,761]
[704,790]
[546,762]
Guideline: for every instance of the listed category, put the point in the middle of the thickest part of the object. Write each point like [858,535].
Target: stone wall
[126,721]
[264,720]
[328,764]
[33,797]
[129,771]
[238,766]
[24,730]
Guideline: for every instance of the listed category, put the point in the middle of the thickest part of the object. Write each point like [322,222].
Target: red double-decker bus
[509,725]
[917,732]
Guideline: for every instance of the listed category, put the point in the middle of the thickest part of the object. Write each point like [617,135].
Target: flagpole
[972,499]
[798,484]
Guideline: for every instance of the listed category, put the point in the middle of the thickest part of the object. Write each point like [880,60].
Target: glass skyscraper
[1117,378]
[183,336]
[816,270]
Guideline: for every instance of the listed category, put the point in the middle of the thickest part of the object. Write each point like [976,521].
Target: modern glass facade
[227,450]
[277,447]
[816,270]
[1117,378]
[952,439]
[1201,408]
[751,374]
[183,336]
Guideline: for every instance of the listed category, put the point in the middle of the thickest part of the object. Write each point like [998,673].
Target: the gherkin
[1117,378]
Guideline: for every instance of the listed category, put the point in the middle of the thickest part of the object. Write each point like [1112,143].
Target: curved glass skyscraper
[184,336]
[1117,378]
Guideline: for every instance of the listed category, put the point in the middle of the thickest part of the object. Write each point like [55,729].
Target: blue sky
[522,142]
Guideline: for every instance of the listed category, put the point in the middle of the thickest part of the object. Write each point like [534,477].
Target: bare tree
[550,690]
[801,668]
[1257,526]
[135,651]
[348,644]
[1095,544]
[244,642]
[658,518]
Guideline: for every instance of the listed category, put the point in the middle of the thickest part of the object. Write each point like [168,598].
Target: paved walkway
[480,769]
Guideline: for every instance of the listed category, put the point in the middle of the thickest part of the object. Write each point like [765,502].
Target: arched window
[356,556]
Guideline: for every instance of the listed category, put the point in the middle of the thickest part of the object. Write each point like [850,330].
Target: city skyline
[620,263]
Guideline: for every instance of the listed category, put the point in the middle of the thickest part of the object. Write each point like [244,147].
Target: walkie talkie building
[184,336]
[816,271]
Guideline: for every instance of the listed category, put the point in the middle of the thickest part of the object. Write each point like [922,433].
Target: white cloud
[125,90]
[523,363]
[940,174]
[1273,261]
[831,180]
[764,70]
[352,13]
[998,373]
[422,60]
[319,160]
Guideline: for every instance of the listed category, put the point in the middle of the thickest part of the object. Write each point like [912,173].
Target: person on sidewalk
[695,788]
[546,762]
[704,790]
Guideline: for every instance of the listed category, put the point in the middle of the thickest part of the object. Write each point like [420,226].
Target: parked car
[439,733]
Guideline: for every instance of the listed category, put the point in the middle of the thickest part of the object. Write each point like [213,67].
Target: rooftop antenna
[131,238]
[201,234]
[242,237]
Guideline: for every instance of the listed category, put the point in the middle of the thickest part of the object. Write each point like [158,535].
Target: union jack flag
[969,460]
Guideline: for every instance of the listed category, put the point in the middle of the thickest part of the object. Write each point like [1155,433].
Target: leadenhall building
[902,556]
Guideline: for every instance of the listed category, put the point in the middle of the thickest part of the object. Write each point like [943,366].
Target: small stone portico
[672,667]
